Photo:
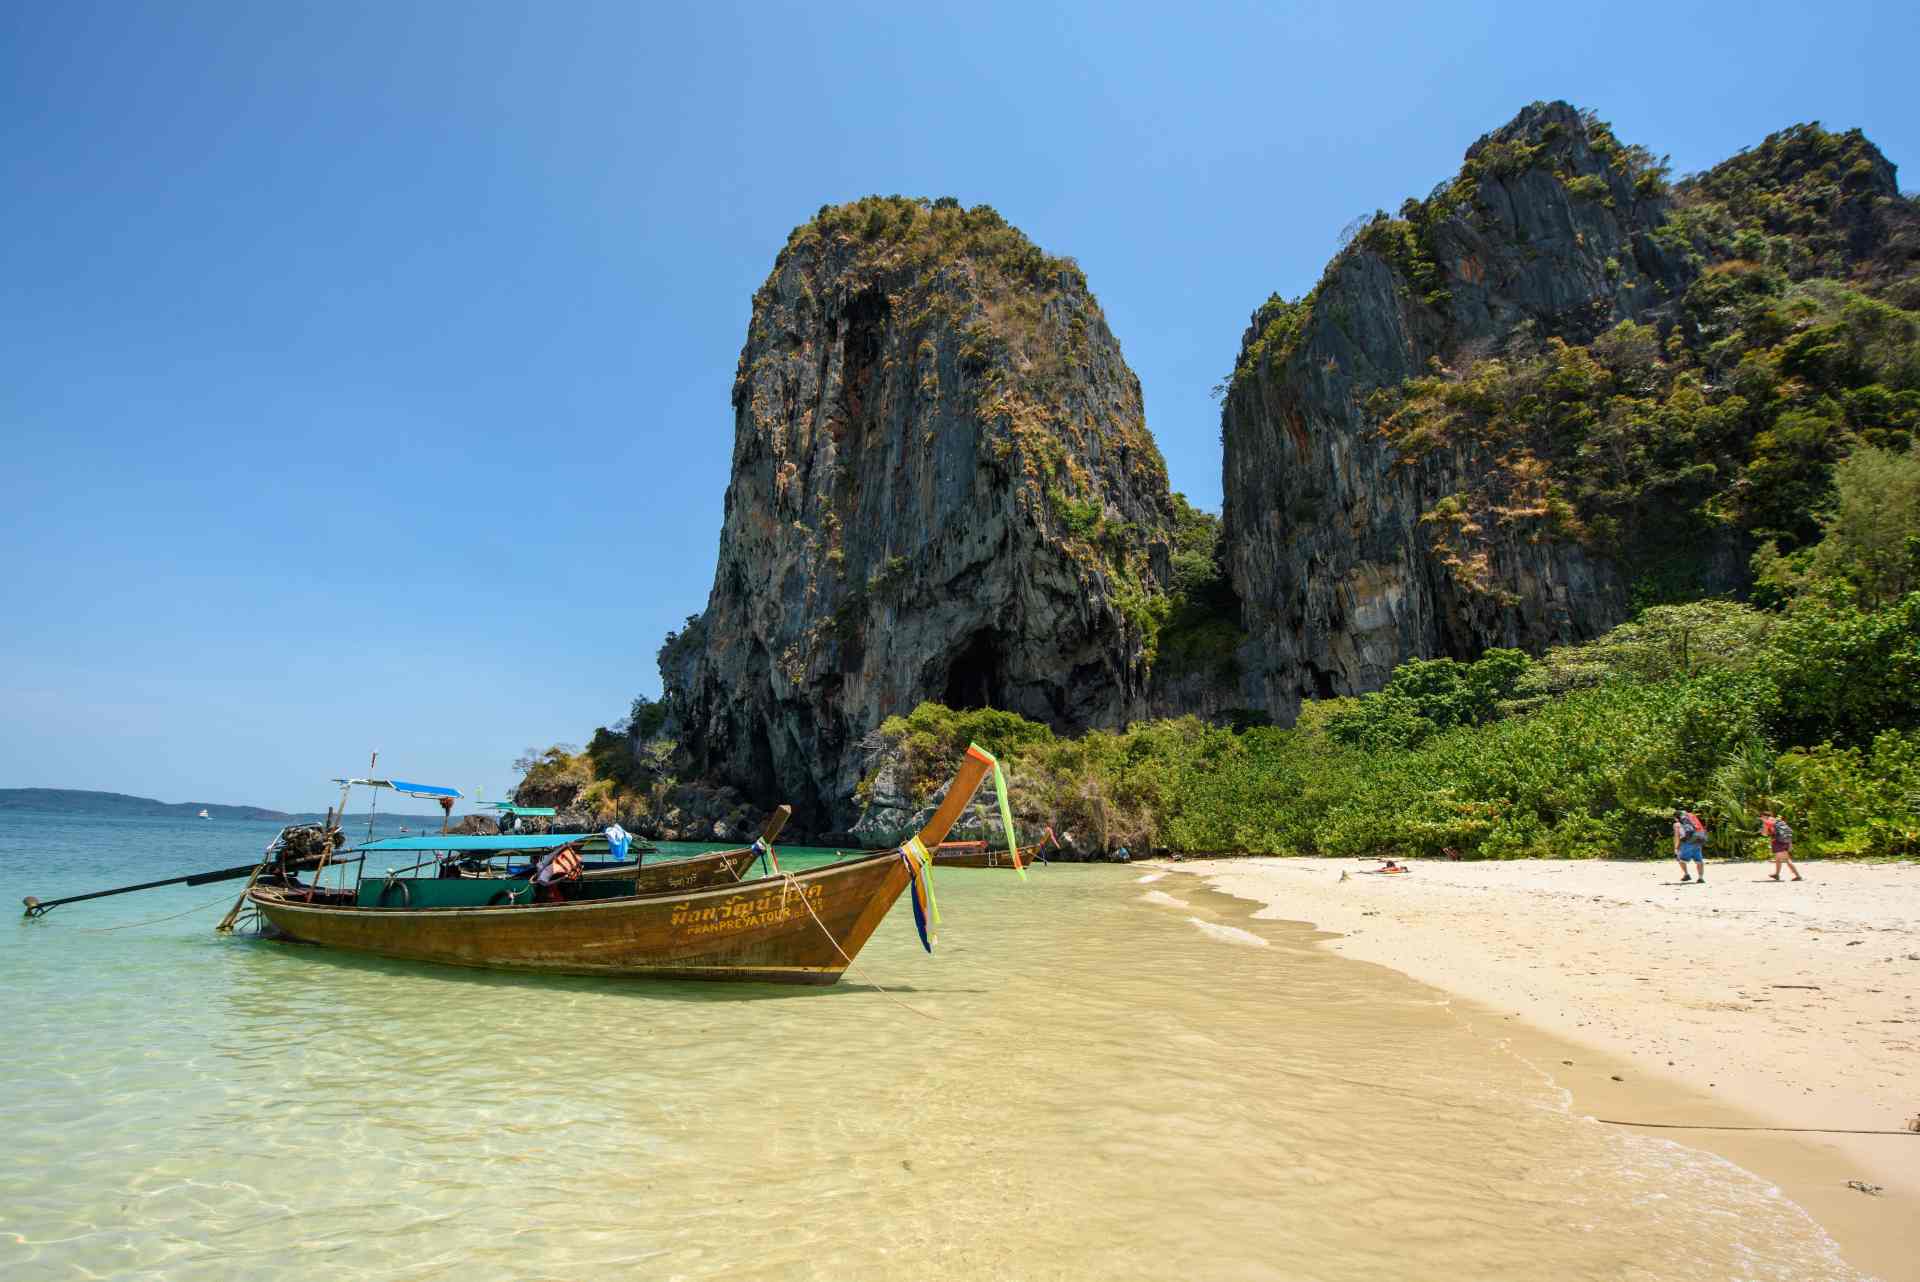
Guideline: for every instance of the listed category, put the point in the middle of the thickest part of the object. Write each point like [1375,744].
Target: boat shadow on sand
[287,960]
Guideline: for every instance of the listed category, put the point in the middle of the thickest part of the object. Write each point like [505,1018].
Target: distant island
[120,805]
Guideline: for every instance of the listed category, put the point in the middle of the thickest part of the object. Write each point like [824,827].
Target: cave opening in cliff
[864,337]
[977,677]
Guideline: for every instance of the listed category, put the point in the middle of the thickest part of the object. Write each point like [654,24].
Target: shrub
[1425,695]
[1872,539]
[1844,674]
[1587,187]
[1852,801]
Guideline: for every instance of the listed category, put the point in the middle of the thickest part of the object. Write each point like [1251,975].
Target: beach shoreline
[1741,1003]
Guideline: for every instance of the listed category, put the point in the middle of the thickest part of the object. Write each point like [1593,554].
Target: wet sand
[1744,1002]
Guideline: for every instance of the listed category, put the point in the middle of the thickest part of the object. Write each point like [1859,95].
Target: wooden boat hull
[753,930]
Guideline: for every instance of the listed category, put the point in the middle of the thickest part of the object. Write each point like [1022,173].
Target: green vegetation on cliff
[1200,631]
[1808,202]
[1632,443]
[938,233]
[620,776]
[1719,423]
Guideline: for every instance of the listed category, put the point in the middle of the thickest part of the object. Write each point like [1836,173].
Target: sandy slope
[1797,1004]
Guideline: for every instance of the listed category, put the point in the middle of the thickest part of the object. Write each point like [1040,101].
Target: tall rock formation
[943,488]
[1400,478]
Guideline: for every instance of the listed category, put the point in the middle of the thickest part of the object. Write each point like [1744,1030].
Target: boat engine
[302,846]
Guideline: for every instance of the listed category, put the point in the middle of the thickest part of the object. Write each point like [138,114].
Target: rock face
[943,488]
[1547,232]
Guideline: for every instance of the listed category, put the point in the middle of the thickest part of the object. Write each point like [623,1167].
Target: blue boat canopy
[428,790]
[542,841]
[423,789]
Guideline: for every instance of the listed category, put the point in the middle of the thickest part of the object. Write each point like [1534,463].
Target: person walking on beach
[1780,837]
[1689,838]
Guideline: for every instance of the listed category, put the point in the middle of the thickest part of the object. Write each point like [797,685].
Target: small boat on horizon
[204,815]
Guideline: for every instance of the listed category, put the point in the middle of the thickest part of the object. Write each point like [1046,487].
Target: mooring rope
[151,921]
[793,883]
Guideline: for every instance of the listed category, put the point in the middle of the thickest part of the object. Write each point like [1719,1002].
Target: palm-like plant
[1748,780]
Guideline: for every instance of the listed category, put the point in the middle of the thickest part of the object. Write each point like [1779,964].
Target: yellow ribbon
[922,865]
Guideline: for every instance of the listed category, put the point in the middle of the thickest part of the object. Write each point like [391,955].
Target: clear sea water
[1093,1077]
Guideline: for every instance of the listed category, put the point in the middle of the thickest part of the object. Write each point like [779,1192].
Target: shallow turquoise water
[1092,1077]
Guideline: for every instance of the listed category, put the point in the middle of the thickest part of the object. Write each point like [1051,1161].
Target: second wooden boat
[493,858]
[984,854]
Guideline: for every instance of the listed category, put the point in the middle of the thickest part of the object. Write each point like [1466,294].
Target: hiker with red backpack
[1779,836]
[1689,844]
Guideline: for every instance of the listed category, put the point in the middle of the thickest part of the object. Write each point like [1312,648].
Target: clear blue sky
[367,365]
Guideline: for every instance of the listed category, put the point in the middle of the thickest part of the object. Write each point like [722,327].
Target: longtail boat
[801,927]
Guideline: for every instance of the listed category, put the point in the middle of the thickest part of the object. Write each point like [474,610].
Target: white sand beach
[1765,1003]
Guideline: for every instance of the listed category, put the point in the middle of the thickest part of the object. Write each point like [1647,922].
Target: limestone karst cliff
[1512,408]
[943,487]
[1559,386]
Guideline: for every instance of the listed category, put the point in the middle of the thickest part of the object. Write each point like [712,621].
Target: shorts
[1783,852]
[1694,853]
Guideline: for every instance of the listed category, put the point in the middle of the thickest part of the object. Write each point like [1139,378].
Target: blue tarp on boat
[411,789]
[423,789]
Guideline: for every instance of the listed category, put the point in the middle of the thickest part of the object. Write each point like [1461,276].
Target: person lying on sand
[1387,865]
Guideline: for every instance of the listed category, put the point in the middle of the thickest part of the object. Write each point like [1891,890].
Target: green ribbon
[1006,819]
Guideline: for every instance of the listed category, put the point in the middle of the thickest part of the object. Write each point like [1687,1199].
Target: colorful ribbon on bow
[767,858]
[926,910]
